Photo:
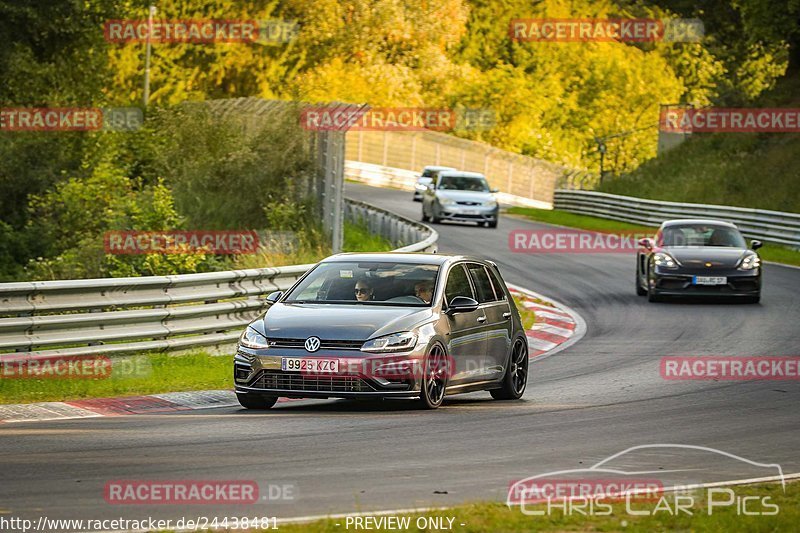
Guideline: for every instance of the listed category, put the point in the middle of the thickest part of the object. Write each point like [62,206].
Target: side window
[498,285]
[457,284]
[482,284]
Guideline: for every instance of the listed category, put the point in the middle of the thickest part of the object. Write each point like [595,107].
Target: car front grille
[272,380]
[468,203]
[324,344]
[464,216]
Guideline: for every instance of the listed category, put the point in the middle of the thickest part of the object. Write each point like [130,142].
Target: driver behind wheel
[424,291]
[364,292]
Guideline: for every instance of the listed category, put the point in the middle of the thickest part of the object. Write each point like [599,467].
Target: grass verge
[128,376]
[498,517]
[528,317]
[770,252]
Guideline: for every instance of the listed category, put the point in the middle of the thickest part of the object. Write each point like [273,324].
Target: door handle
[481,319]
[506,315]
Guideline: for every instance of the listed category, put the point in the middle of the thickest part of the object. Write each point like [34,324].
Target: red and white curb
[557,326]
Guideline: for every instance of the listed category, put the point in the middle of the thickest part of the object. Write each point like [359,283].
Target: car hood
[338,322]
[465,196]
[698,256]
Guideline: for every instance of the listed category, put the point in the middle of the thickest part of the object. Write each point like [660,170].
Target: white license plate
[302,364]
[710,280]
[469,211]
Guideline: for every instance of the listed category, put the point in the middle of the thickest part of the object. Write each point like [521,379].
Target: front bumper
[740,283]
[458,213]
[255,373]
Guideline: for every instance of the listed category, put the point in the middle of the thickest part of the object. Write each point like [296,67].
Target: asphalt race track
[598,397]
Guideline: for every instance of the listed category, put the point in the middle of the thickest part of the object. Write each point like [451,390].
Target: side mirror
[646,243]
[494,190]
[461,304]
[274,296]
[756,244]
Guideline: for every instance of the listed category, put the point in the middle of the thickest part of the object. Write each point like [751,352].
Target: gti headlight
[490,203]
[420,186]
[253,339]
[750,262]
[664,260]
[446,201]
[396,342]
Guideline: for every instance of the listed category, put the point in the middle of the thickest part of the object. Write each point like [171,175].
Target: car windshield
[701,235]
[464,183]
[367,283]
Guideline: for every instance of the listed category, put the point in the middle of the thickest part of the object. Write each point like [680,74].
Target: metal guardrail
[44,319]
[772,226]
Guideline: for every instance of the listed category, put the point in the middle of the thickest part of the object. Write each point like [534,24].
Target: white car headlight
[750,262]
[396,342]
[490,203]
[253,339]
[420,187]
[664,260]
[444,200]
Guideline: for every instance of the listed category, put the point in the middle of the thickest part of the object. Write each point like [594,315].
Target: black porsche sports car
[700,258]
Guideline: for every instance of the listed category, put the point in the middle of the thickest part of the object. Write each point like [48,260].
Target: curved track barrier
[772,226]
[43,319]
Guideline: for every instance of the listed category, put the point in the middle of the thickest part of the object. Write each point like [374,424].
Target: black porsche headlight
[750,262]
[664,260]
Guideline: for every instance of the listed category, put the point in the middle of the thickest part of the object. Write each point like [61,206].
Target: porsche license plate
[302,364]
[710,280]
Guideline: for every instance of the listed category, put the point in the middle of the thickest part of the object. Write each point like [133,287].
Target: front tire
[434,378]
[652,296]
[640,291]
[256,401]
[516,377]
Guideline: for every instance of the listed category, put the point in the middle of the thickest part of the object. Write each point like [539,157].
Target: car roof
[402,257]
[461,173]
[437,167]
[703,221]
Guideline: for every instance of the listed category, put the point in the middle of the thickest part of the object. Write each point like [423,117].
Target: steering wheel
[407,299]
